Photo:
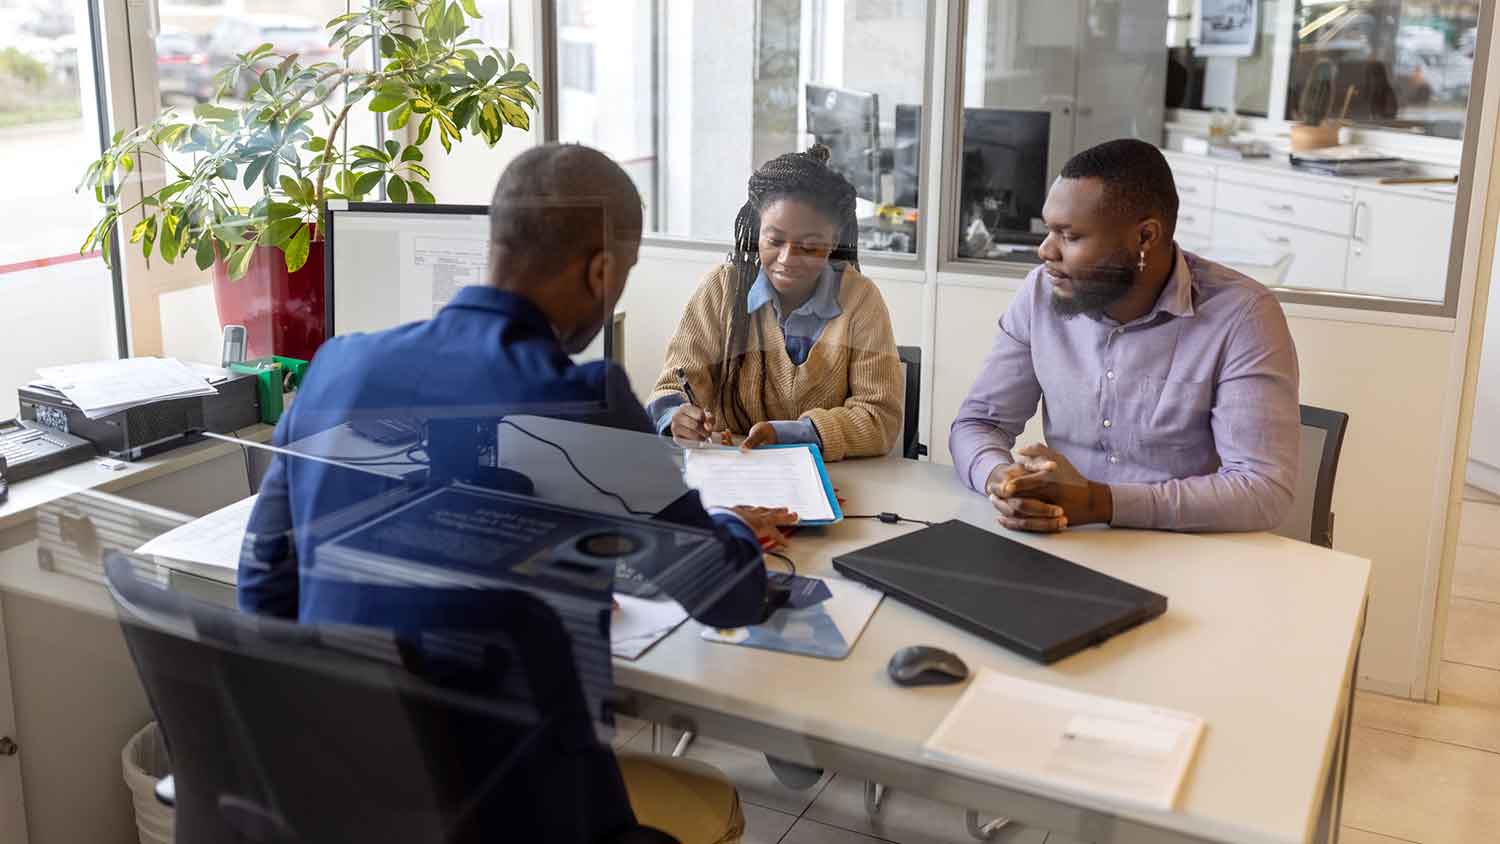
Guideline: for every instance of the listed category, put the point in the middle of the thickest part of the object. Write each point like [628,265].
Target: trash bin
[145,762]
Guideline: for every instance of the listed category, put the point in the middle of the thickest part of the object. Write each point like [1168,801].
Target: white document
[212,541]
[1016,730]
[768,477]
[638,624]
[103,387]
[440,266]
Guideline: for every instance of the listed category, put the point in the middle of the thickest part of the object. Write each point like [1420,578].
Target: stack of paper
[110,386]
[1010,729]
[787,476]
[212,541]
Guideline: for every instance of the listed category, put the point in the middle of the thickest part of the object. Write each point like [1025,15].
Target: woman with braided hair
[787,342]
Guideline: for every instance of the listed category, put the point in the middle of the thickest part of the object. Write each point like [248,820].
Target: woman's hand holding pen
[692,425]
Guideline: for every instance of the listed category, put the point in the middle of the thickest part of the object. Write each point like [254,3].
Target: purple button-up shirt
[1189,413]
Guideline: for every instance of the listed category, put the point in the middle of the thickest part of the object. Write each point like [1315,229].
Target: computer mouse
[924,665]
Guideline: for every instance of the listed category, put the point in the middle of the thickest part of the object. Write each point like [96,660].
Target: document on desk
[781,476]
[213,541]
[638,624]
[100,388]
[1015,730]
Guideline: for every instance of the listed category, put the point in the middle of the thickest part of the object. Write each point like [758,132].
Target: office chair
[281,733]
[911,359]
[1311,518]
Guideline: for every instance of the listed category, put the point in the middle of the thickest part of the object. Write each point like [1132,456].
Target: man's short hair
[1137,180]
[559,202]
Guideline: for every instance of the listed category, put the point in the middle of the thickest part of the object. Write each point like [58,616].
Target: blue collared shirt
[801,328]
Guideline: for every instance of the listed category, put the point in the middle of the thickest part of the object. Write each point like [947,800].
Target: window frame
[547,15]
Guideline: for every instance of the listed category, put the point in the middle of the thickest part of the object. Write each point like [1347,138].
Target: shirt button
[1114,458]
[1110,375]
[1108,424]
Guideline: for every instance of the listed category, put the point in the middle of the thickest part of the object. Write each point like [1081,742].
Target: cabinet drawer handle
[1280,206]
[8,746]
[1279,239]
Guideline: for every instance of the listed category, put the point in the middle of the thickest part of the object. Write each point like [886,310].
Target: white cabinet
[1399,247]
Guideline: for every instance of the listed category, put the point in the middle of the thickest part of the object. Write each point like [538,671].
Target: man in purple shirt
[1168,382]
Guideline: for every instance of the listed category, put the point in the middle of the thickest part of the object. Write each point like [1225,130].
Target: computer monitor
[848,122]
[1004,180]
[387,264]
[907,155]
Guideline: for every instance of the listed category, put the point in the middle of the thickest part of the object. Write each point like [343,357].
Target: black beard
[1102,286]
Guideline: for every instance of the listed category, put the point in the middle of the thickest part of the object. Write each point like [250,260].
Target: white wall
[1484,446]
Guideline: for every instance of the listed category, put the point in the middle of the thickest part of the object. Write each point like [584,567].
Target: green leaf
[396,189]
[280,231]
[365,151]
[420,193]
[366,183]
[470,8]
[415,169]
[296,249]
[411,153]
[397,119]
[138,231]
[150,239]
[253,171]
[385,102]
[424,129]
[204,257]
[282,210]
[491,67]
[239,260]
[315,145]
[514,114]
[268,81]
[170,233]
[515,77]
[391,148]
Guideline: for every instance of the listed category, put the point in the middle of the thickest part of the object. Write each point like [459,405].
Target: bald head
[557,205]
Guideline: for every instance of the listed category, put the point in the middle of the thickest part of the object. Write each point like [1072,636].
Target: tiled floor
[1418,774]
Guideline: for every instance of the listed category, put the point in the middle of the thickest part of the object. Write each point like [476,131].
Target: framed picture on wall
[1228,27]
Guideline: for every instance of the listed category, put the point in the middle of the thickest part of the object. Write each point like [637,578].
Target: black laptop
[1036,604]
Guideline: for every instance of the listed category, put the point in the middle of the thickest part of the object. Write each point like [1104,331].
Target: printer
[153,427]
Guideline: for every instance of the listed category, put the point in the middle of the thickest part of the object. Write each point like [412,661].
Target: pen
[687,388]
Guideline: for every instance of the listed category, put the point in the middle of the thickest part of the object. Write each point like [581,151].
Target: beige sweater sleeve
[698,344]
[869,422]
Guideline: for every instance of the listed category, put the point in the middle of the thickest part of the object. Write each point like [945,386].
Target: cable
[784,558]
[586,479]
[891,519]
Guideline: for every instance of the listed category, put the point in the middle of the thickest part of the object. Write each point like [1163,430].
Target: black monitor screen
[1005,170]
[848,122]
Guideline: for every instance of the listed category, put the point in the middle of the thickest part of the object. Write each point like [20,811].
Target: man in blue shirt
[565,233]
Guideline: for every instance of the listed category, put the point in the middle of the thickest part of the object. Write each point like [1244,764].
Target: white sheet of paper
[770,477]
[638,624]
[213,540]
[1013,729]
[99,388]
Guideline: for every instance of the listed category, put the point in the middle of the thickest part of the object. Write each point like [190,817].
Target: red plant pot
[282,311]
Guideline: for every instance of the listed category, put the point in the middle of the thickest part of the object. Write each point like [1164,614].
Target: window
[1397,64]
[691,97]
[1209,80]
[56,306]
[575,65]
[1042,81]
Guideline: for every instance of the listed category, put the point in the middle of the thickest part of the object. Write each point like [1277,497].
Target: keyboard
[30,449]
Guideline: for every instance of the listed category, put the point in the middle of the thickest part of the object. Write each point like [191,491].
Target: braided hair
[805,177]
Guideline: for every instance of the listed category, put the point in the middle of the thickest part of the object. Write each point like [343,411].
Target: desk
[1260,639]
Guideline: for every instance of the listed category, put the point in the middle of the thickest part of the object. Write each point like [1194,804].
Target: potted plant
[248,176]
[1318,128]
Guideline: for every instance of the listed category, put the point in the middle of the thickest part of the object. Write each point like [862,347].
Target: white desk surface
[26,496]
[1259,639]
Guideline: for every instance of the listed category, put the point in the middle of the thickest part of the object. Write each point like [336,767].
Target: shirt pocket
[1175,414]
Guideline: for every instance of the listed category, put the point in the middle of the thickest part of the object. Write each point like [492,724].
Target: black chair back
[1311,519]
[280,732]
[911,359]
